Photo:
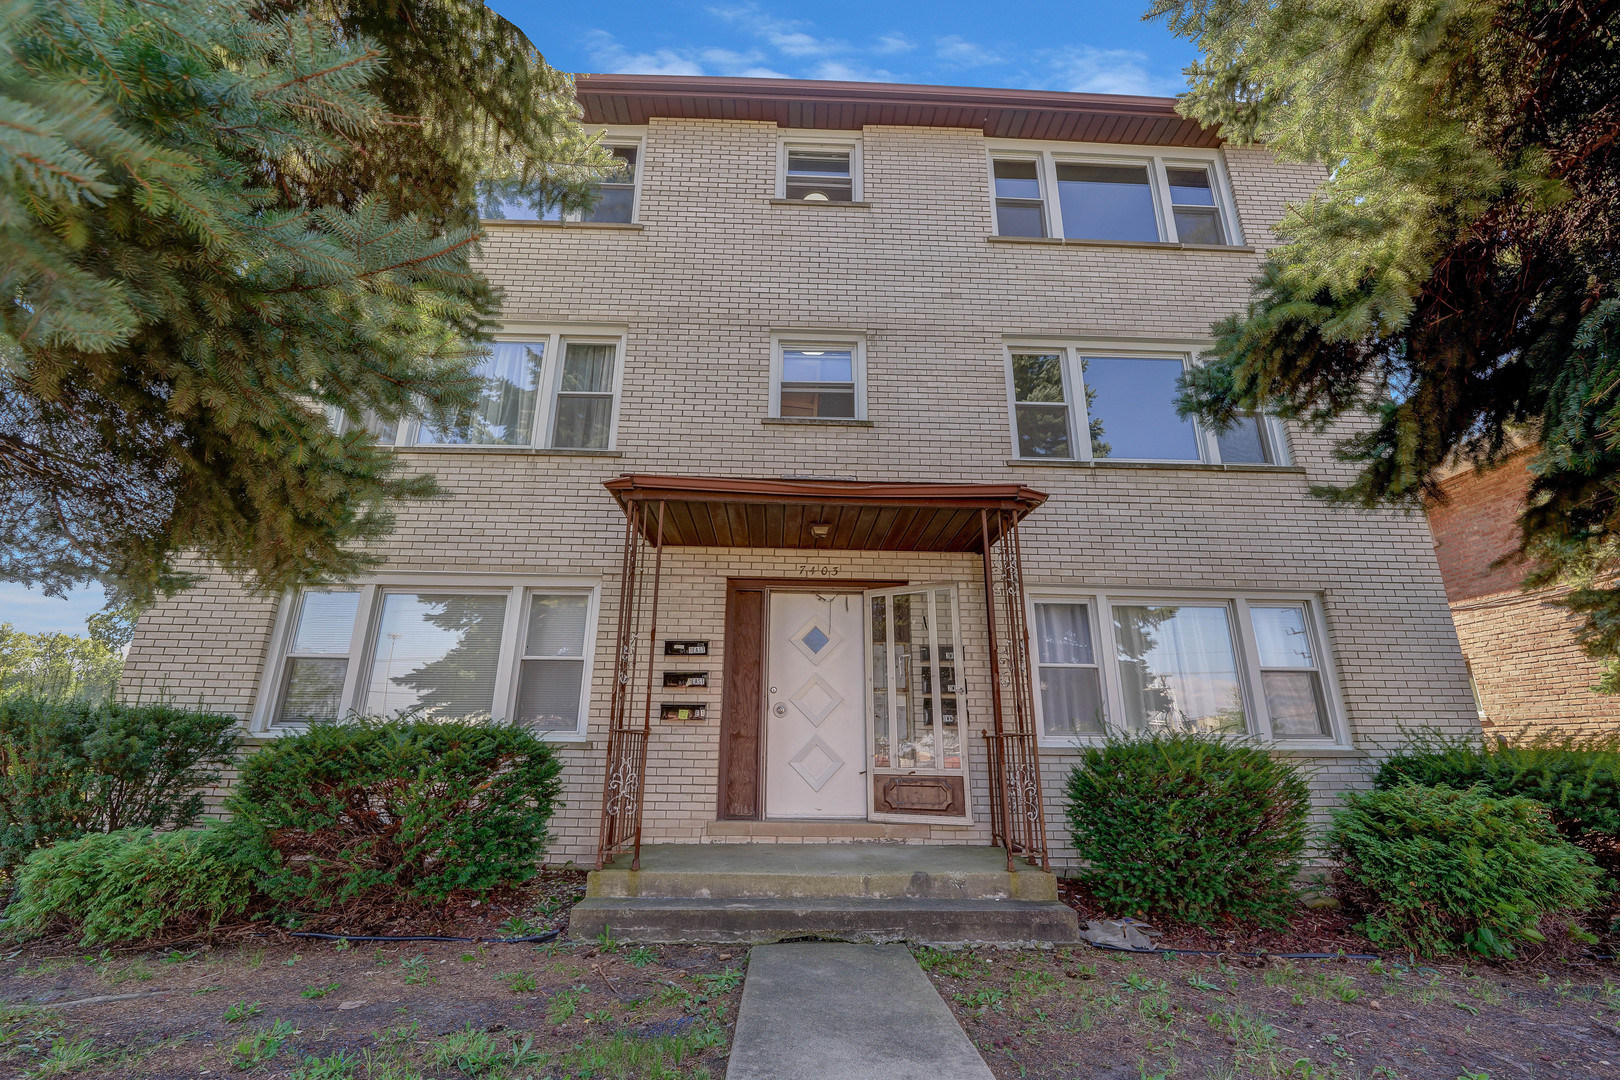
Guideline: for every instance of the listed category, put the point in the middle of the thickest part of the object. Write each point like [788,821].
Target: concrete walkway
[825,1011]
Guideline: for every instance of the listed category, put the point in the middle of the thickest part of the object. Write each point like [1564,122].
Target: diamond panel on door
[816,699]
[816,640]
[816,762]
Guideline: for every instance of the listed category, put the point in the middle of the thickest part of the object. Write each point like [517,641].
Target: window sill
[858,203]
[533,451]
[1151,245]
[1083,743]
[1194,466]
[819,421]
[632,226]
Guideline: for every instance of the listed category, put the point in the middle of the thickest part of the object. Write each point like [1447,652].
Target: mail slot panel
[686,648]
[683,712]
[686,678]
[945,796]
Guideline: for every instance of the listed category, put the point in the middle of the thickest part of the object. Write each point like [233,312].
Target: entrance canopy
[826,515]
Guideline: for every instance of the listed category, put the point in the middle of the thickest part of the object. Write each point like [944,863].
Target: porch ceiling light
[821,529]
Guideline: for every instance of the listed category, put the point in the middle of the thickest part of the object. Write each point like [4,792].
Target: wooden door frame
[731,705]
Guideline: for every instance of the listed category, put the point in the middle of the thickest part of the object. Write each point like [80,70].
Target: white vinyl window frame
[812,339]
[1246,648]
[517,591]
[1048,156]
[823,141]
[1074,353]
[613,138]
[555,340]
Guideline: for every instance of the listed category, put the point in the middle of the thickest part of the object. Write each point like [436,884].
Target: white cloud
[840,71]
[786,36]
[609,56]
[1088,70]
[962,53]
[889,44]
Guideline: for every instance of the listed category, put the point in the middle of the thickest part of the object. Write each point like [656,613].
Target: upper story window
[552,391]
[469,648]
[1074,403]
[819,170]
[616,203]
[1229,665]
[1109,196]
[818,380]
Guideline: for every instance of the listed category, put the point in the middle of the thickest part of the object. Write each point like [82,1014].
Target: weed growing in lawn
[416,972]
[985,997]
[606,941]
[137,969]
[242,1010]
[661,1058]
[262,1045]
[1144,985]
[317,991]
[478,1053]
[1198,982]
[600,1016]
[255,959]
[175,956]
[722,983]
[517,926]
[641,956]
[338,1066]
[564,1004]
[290,963]
[67,1056]
[519,982]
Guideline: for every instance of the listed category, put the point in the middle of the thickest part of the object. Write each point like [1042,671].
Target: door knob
[780,709]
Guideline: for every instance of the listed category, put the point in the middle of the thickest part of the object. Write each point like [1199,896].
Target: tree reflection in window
[1178,668]
[436,654]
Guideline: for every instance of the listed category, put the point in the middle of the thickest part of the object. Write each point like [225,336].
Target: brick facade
[714,268]
[1529,670]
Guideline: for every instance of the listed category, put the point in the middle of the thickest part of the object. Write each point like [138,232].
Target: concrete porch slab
[846,1012]
[822,871]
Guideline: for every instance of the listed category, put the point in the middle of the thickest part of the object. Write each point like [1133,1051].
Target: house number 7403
[812,570]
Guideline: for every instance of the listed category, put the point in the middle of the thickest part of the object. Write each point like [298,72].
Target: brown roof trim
[850,106]
[723,489]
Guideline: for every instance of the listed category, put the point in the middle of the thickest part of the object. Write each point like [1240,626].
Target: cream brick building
[880,330]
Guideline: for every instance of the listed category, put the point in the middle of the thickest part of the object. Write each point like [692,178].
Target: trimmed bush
[72,767]
[1578,779]
[1439,870]
[134,884]
[1190,826]
[389,810]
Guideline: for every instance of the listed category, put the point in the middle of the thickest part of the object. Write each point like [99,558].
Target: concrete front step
[920,920]
[864,871]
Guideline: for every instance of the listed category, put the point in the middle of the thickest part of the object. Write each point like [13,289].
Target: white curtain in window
[505,410]
[1178,667]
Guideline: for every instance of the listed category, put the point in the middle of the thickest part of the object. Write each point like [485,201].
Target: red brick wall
[1528,669]
[1478,525]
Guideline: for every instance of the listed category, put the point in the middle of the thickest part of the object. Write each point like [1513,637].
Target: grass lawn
[1090,1015]
[315,1011]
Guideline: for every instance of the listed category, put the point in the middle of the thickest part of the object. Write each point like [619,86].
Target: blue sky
[1100,47]
[32,612]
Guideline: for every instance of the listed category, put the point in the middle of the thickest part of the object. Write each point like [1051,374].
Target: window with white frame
[1070,402]
[451,649]
[1103,194]
[819,171]
[1228,665]
[818,380]
[615,202]
[550,391]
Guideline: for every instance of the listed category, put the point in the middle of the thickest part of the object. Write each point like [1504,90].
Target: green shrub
[134,884]
[1576,777]
[393,809]
[73,767]
[1190,826]
[1437,870]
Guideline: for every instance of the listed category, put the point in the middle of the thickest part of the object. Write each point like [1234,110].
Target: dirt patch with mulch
[1089,1014]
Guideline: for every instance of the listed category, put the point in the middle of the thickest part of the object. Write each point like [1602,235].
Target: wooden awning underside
[858,516]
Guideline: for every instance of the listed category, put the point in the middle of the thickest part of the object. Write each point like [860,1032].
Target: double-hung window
[615,194]
[1227,665]
[1071,402]
[452,647]
[1109,195]
[819,171]
[548,391]
[818,380]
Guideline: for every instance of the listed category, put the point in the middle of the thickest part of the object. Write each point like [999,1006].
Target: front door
[815,683]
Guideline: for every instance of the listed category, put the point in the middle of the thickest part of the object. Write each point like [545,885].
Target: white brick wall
[700,287]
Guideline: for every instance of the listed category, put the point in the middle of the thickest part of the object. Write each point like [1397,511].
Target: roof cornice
[849,106]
